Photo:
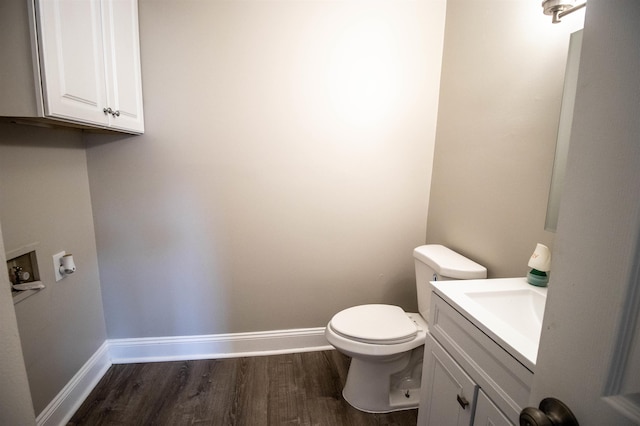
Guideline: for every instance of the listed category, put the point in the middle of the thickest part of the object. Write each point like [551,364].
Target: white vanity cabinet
[487,414]
[85,59]
[468,379]
[449,393]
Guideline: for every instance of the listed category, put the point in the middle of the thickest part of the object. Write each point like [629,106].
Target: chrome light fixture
[559,8]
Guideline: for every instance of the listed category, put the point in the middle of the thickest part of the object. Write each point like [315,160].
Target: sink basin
[509,310]
[522,309]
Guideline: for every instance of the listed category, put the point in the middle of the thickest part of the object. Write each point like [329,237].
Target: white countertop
[508,310]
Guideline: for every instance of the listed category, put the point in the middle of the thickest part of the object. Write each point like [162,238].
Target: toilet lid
[377,324]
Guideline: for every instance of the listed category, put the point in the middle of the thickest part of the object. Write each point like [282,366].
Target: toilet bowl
[385,371]
[386,344]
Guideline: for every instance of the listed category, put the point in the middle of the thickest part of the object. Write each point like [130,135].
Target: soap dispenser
[540,262]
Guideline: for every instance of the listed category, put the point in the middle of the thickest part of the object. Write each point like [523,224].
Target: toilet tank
[434,262]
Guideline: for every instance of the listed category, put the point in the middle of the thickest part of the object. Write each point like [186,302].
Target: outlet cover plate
[57,261]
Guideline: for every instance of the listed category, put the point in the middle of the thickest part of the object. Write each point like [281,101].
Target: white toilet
[386,344]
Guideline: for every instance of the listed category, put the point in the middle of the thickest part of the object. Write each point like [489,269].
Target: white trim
[233,345]
[69,399]
[176,348]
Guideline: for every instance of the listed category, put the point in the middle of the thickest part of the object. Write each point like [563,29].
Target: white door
[122,57]
[589,355]
[71,55]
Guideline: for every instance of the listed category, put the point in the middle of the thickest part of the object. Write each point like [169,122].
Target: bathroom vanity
[480,352]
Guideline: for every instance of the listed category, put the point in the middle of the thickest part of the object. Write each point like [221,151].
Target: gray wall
[285,168]
[16,406]
[500,95]
[44,199]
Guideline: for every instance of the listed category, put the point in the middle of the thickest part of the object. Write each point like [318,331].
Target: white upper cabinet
[90,62]
[84,56]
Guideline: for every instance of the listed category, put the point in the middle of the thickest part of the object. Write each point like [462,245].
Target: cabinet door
[72,60]
[448,393]
[487,414]
[122,60]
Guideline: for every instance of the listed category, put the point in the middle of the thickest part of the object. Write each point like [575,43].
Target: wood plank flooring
[290,389]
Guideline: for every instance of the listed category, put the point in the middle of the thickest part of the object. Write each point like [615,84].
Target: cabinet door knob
[552,412]
[108,110]
[462,401]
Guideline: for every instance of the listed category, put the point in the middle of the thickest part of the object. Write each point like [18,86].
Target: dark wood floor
[291,389]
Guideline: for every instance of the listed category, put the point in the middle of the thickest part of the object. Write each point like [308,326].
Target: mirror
[564,131]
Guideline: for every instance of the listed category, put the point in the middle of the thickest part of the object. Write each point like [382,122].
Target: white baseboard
[62,407]
[177,348]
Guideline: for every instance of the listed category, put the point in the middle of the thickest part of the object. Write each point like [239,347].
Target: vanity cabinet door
[487,414]
[448,393]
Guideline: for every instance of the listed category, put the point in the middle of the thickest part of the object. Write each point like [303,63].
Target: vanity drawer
[505,380]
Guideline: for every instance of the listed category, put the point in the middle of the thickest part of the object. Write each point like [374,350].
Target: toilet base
[385,386]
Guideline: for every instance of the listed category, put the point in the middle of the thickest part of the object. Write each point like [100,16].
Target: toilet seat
[375,324]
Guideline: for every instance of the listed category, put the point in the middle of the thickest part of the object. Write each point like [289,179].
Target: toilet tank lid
[448,263]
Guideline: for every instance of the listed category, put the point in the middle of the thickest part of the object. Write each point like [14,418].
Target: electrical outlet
[57,261]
